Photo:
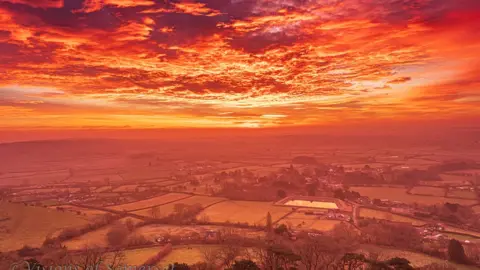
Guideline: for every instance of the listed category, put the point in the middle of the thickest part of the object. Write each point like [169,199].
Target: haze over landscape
[240,134]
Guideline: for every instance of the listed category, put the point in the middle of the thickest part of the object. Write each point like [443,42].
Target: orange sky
[236,63]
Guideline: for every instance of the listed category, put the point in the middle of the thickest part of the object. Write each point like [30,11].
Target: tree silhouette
[269,223]
[33,264]
[245,265]
[456,252]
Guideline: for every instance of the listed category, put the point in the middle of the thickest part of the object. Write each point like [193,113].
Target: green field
[457,230]
[97,238]
[378,214]
[167,209]
[399,194]
[185,254]
[83,211]
[299,220]
[462,237]
[136,257]
[454,179]
[152,232]
[103,189]
[432,191]
[243,211]
[164,199]
[30,225]
[467,194]
[125,188]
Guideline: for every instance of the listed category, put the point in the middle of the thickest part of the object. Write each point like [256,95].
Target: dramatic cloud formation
[236,63]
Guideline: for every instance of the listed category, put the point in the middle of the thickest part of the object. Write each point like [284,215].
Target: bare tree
[319,252]
[155,212]
[211,256]
[116,259]
[90,258]
[228,253]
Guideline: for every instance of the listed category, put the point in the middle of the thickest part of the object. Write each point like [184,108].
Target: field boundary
[176,200]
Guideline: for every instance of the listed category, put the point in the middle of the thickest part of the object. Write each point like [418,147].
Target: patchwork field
[302,221]
[83,211]
[399,194]
[467,194]
[97,238]
[377,214]
[152,232]
[31,225]
[126,188]
[243,211]
[139,205]
[455,179]
[462,237]
[187,254]
[431,191]
[167,209]
[461,231]
[135,257]
[103,189]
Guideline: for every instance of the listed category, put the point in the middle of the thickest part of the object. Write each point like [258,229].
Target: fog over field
[152,200]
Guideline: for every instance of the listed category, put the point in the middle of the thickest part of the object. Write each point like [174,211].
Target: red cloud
[38,3]
[253,58]
[400,80]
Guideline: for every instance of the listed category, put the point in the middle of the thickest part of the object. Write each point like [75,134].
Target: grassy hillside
[28,225]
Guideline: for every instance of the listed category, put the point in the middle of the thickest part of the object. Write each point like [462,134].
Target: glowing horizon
[265,63]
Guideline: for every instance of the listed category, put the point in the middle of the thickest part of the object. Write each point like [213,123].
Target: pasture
[190,254]
[135,257]
[465,194]
[462,231]
[299,220]
[243,211]
[400,195]
[167,209]
[97,238]
[30,225]
[462,237]
[103,189]
[152,232]
[155,201]
[430,191]
[378,214]
[84,211]
[125,188]
[455,179]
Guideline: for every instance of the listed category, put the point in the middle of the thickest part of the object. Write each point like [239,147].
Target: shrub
[117,235]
